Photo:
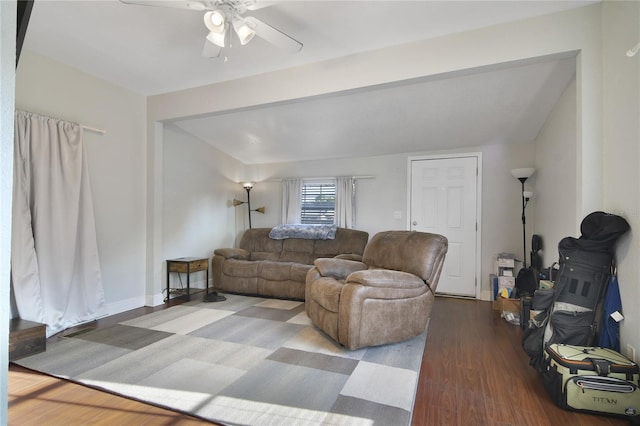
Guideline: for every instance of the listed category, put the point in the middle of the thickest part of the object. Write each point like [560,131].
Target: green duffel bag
[592,379]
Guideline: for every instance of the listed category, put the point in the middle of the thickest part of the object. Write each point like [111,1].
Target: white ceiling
[152,50]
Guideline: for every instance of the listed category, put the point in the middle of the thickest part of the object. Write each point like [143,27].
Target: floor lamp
[247,186]
[522,175]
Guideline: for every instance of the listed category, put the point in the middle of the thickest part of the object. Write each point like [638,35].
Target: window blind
[318,203]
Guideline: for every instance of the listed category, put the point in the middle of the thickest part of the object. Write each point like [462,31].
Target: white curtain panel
[291,200]
[345,202]
[55,268]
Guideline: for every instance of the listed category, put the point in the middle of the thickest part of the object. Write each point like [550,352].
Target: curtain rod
[84,127]
[320,178]
[93,129]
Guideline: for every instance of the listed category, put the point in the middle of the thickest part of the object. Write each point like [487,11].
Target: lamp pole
[524,221]
[522,175]
[248,188]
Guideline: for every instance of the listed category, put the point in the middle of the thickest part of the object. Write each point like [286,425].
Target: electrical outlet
[631,352]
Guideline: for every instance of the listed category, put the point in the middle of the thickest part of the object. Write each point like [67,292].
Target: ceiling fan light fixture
[215,22]
[216,38]
[243,30]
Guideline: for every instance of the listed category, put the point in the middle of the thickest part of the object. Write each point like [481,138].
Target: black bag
[532,341]
[585,265]
[578,294]
[526,282]
[536,247]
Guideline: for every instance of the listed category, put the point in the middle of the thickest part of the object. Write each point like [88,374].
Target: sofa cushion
[274,271]
[296,250]
[417,253]
[265,255]
[240,268]
[299,272]
[257,240]
[346,241]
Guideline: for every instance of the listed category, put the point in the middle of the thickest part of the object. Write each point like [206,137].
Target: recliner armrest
[349,256]
[385,278]
[233,253]
[337,268]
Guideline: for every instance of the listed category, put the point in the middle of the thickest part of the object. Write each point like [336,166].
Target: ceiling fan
[224,17]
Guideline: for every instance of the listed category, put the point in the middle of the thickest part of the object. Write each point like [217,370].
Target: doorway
[444,198]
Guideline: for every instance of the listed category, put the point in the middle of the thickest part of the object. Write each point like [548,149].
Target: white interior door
[443,200]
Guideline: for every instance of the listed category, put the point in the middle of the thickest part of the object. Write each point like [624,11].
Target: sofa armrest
[349,256]
[233,253]
[386,278]
[337,268]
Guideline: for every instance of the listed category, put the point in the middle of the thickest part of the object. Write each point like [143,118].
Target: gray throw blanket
[309,232]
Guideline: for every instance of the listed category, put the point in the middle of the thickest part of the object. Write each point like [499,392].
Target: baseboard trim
[125,305]
[486,295]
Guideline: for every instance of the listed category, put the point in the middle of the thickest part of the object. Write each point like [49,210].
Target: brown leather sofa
[269,267]
[386,298]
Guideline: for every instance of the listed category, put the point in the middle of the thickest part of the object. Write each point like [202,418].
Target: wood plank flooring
[37,399]
[474,372]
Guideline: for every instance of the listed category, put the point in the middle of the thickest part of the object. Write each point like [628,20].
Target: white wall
[555,178]
[199,185]
[7,88]
[577,30]
[116,164]
[377,199]
[621,154]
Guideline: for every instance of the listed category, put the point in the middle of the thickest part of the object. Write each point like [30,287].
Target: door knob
[415,223]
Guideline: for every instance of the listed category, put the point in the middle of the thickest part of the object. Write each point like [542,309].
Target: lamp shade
[216,38]
[214,20]
[243,30]
[523,173]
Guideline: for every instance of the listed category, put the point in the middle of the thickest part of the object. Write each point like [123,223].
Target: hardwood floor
[37,399]
[474,372]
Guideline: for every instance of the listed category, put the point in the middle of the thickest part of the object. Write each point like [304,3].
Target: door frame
[478,157]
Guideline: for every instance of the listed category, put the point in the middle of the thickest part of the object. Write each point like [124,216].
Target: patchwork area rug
[244,361]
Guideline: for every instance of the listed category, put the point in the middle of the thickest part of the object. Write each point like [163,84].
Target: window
[318,202]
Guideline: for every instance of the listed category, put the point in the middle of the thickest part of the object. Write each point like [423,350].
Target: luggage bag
[592,379]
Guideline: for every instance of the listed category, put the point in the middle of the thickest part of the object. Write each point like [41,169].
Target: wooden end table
[187,265]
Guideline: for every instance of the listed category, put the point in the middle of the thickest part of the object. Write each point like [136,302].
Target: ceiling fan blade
[273,36]
[176,4]
[260,4]
[210,50]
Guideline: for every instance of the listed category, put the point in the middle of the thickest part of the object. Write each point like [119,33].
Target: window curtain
[345,202]
[291,200]
[55,269]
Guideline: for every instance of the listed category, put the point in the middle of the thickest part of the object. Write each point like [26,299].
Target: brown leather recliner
[386,298]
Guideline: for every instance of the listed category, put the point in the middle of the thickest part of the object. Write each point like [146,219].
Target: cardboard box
[507,305]
[506,282]
[506,260]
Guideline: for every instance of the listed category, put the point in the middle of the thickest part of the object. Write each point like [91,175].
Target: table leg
[168,282]
[188,288]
